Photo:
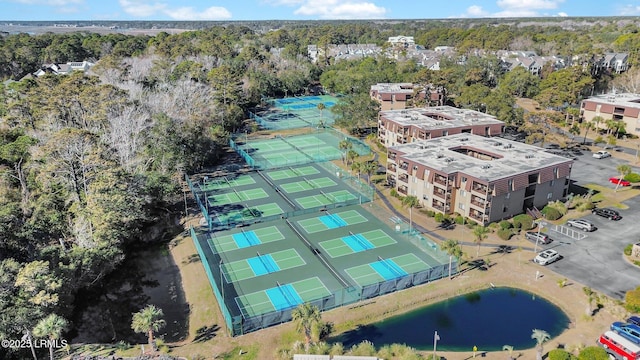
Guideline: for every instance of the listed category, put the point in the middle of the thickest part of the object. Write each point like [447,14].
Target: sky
[126,10]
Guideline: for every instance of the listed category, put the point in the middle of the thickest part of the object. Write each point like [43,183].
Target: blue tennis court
[357,242]
[388,269]
[246,239]
[263,264]
[333,221]
[284,297]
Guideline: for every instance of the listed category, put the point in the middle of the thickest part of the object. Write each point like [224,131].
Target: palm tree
[306,316]
[410,201]
[147,321]
[345,145]
[480,232]
[321,107]
[357,167]
[368,168]
[587,126]
[540,336]
[351,155]
[508,348]
[51,327]
[623,170]
[453,248]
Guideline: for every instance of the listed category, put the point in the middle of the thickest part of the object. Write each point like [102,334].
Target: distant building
[402,41]
[395,96]
[619,107]
[483,179]
[64,69]
[397,127]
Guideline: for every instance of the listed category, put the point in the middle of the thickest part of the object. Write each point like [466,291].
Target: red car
[615,180]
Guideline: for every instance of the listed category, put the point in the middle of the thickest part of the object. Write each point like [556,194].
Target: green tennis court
[354,243]
[243,269]
[268,145]
[225,183]
[308,184]
[292,173]
[368,274]
[261,302]
[236,197]
[238,240]
[324,199]
[243,214]
[328,221]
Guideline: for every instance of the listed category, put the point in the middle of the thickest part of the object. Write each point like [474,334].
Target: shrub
[551,213]
[628,249]
[505,234]
[632,177]
[593,353]
[560,206]
[560,354]
[584,206]
[429,213]
[523,221]
[504,224]
[459,220]
[394,193]
[439,217]
[632,300]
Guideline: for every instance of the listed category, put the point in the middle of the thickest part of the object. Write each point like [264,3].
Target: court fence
[329,136]
[357,184]
[215,224]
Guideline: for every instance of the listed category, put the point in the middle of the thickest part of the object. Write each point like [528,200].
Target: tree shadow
[503,249]
[206,333]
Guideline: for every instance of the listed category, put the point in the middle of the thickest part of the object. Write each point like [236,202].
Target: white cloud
[140,8]
[340,9]
[49,2]
[516,8]
[628,10]
[283,2]
[562,14]
[528,5]
[143,9]
[189,13]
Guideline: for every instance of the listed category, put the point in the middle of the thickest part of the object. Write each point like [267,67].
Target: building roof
[623,99]
[514,157]
[405,88]
[439,117]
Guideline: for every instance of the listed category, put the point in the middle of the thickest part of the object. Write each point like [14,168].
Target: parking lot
[597,260]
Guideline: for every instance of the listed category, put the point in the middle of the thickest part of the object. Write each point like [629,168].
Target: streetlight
[435,342]
[541,224]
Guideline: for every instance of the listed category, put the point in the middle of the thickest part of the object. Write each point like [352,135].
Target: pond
[487,319]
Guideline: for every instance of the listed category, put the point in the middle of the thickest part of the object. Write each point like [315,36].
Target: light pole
[435,342]
[540,225]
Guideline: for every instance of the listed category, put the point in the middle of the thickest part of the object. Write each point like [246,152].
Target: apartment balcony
[481,188]
[404,166]
[392,156]
[401,140]
[392,167]
[403,178]
[403,190]
[382,132]
[442,195]
[478,217]
[479,203]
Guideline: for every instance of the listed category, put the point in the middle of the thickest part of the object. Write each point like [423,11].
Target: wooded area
[89,162]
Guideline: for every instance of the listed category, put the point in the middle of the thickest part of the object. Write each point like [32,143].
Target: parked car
[601,154]
[622,182]
[546,257]
[581,224]
[629,331]
[634,320]
[607,213]
[534,236]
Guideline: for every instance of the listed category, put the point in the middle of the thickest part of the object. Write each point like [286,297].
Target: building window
[508,195]
[445,133]
[463,179]
[505,209]
[425,197]
[426,185]
[549,196]
[461,206]
[415,179]
[463,193]
[510,184]
[426,174]
[555,172]
[553,182]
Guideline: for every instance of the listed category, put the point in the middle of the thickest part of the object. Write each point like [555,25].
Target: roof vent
[508,146]
[464,139]
[439,155]
[497,143]
[486,166]
[448,160]
[529,156]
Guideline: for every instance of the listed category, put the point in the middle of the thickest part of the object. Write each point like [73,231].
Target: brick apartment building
[396,127]
[484,179]
[620,107]
[397,96]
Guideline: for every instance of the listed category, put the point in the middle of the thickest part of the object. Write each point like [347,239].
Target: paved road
[597,260]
